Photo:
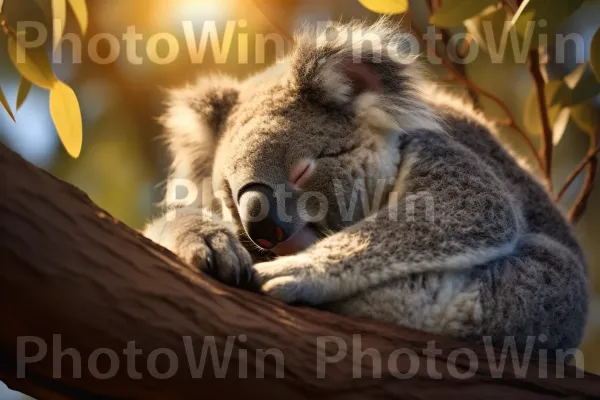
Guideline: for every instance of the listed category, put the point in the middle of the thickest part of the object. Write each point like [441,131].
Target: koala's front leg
[459,216]
[200,239]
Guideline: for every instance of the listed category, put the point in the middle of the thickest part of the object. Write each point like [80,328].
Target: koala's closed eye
[330,153]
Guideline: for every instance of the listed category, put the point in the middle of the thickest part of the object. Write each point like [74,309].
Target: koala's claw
[210,248]
[210,259]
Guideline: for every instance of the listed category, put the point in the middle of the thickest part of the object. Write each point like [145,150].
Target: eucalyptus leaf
[66,114]
[386,6]
[587,117]
[579,86]
[491,33]
[31,63]
[59,20]
[539,19]
[81,13]
[595,54]
[453,13]
[5,104]
[23,92]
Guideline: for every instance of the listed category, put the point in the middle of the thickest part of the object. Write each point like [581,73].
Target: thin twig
[547,147]
[511,5]
[4,24]
[433,6]
[590,156]
[580,205]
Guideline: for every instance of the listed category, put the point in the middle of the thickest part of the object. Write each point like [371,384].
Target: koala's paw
[220,254]
[208,246]
[289,279]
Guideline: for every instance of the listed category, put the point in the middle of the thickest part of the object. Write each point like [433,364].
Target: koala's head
[308,145]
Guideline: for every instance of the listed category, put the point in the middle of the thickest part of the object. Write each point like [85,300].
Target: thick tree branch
[69,268]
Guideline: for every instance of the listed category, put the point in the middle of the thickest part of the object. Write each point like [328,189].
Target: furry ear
[195,117]
[365,69]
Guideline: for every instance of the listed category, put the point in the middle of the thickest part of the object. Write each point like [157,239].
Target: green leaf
[33,63]
[579,86]
[531,15]
[386,6]
[486,27]
[23,92]
[586,116]
[6,105]
[59,19]
[66,114]
[453,13]
[532,121]
[595,54]
[81,13]
[587,87]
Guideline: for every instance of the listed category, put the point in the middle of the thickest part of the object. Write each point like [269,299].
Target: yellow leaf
[32,63]
[59,17]
[560,125]
[5,104]
[586,117]
[595,54]
[23,92]
[1,4]
[64,108]
[386,6]
[81,13]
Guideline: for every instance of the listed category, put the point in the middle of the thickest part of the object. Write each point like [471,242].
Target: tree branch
[547,147]
[580,205]
[434,5]
[69,268]
[582,164]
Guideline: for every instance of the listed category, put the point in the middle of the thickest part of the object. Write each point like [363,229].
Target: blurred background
[123,164]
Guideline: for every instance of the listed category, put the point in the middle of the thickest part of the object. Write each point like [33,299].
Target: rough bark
[69,268]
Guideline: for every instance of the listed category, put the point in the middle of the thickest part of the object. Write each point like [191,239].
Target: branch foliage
[35,68]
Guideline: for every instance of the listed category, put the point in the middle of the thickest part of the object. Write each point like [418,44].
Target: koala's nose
[260,217]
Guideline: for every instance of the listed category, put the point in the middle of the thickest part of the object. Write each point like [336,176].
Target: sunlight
[195,10]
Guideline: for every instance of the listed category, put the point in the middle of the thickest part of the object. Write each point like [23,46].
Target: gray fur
[496,257]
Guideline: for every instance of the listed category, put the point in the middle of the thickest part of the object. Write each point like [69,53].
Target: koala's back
[538,209]
[540,289]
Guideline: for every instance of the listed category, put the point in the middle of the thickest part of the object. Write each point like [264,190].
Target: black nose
[260,216]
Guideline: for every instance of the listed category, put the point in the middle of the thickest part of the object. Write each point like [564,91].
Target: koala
[341,178]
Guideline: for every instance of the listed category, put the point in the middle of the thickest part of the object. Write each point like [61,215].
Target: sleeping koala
[340,179]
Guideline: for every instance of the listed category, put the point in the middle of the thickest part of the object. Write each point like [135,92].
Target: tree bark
[70,269]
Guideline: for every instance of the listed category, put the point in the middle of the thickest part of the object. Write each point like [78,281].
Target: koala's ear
[366,69]
[195,117]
